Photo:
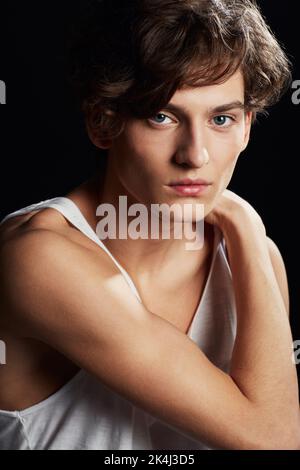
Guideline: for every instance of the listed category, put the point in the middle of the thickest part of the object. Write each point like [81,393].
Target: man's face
[176,144]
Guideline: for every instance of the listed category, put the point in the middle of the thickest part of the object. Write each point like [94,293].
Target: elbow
[285,442]
[289,437]
[281,438]
[292,441]
[272,432]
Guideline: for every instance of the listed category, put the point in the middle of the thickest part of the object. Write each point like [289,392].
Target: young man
[139,343]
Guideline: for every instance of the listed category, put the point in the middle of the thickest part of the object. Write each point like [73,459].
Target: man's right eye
[159,118]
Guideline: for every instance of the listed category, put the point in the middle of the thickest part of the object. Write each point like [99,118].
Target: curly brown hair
[128,57]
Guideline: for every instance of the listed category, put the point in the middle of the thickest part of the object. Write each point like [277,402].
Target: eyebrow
[218,109]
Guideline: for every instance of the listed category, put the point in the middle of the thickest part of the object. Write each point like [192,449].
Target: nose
[193,152]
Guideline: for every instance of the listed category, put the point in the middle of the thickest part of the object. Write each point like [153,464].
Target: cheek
[139,154]
[226,148]
[137,164]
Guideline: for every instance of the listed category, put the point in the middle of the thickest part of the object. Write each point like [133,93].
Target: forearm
[261,363]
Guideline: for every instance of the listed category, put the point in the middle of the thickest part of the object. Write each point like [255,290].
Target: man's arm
[280,272]
[261,363]
[281,276]
[82,306]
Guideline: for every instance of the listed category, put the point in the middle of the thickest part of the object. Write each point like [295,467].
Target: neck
[149,256]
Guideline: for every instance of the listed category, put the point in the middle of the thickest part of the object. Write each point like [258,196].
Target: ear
[248,123]
[95,139]
[93,132]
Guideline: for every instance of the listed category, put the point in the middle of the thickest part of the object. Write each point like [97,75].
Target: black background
[45,152]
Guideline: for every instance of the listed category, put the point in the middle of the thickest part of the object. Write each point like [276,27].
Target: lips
[189,182]
[189,187]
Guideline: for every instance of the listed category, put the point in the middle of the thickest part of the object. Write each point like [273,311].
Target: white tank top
[86,414]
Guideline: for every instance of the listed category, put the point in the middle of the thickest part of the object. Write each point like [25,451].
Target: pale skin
[50,333]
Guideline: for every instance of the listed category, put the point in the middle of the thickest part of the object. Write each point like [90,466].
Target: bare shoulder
[39,257]
[31,219]
[280,271]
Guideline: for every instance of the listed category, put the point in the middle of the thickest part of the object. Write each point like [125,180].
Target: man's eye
[223,121]
[160,118]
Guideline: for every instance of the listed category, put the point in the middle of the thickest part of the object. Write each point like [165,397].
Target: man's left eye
[222,120]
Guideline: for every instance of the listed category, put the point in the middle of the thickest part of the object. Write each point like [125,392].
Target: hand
[233,211]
